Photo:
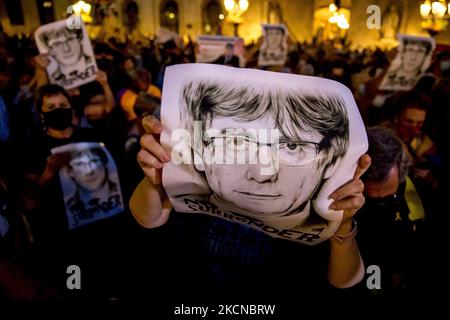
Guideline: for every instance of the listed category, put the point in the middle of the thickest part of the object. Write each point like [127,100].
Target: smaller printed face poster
[412,61]
[90,183]
[72,60]
[274,49]
[220,50]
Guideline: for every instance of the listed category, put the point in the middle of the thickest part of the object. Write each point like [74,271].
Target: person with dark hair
[141,86]
[313,136]
[57,244]
[411,110]
[391,220]
[228,58]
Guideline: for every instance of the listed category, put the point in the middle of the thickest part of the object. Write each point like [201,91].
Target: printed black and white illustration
[90,184]
[220,50]
[259,148]
[72,60]
[274,49]
[412,61]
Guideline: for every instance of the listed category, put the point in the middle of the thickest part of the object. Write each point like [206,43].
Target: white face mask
[379,101]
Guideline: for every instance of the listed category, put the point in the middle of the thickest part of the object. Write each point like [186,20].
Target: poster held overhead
[413,58]
[274,49]
[259,148]
[72,60]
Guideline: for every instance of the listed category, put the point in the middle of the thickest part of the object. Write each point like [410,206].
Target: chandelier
[435,15]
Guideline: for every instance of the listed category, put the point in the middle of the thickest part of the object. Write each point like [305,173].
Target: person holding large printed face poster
[61,234]
[73,61]
[240,192]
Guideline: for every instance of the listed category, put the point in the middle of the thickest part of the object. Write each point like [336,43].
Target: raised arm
[149,203]
[345,266]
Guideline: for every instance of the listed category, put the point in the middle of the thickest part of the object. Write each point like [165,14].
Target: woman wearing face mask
[56,244]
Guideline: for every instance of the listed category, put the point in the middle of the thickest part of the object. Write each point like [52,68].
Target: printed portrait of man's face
[278,190]
[254,170]
[274,38]
[88,170]
[65,47]
[413,57]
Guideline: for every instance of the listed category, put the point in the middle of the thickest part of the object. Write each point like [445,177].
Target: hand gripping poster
[90,183]
[259,148]
[72,60]
[274,49]
[413,58]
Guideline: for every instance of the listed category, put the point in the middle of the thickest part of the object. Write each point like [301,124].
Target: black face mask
[58,119]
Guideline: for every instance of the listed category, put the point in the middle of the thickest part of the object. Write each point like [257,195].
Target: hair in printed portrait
[292,111]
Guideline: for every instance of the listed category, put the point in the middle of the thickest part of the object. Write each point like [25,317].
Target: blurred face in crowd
[382,193]
[95,109]
[56,111]
[229,50]
[53,102]
[128,65]
[65,47]
[88,171]
[413,57]
[274,38]
[385,188]
[245,185]
[410,122]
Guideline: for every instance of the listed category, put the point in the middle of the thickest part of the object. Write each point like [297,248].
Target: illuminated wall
[298,15]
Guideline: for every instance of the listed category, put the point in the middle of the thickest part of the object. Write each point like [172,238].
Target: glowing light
[438,9]
[340,20]
[83,9]
[332,7]
[425,8]
[221,16]
[243,5]
[171,15]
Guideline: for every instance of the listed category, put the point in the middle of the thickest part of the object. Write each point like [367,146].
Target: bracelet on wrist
[342,238]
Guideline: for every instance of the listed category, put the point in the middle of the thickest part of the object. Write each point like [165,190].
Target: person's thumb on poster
[349,197]
[152,155]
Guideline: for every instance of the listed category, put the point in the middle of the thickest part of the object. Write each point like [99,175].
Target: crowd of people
[399,223]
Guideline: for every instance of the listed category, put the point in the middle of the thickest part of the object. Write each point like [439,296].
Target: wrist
[346,226]
[346,232]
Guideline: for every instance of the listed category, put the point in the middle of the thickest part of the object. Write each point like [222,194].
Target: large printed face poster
[72,60]
[259,148]
[211,48]
[412,61]
[274,49]
[90,183]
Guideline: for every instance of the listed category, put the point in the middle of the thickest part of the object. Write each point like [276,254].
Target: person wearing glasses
[413,57]
[277,150]
[66,47]
[263,154]
[96,194]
